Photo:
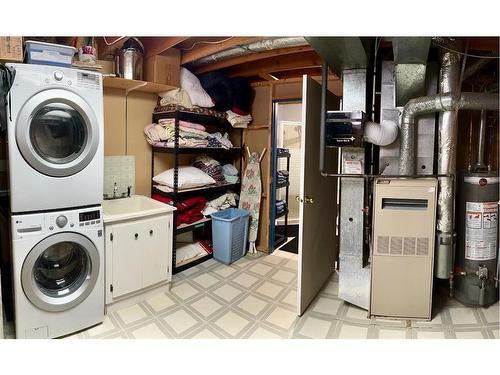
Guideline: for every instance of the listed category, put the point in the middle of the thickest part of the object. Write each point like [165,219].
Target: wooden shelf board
[135,85]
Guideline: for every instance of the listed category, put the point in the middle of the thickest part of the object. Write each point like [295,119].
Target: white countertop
[136,206]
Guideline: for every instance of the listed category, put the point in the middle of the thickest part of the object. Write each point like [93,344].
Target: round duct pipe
[247,49]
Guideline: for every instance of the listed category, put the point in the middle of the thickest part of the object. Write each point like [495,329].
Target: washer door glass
[60,271]
[58,133]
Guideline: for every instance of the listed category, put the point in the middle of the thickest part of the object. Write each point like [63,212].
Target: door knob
[309,200]
[297,198]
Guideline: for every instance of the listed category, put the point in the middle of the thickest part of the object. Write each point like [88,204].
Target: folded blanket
[238,121]
[222,139]
[221,203]
[230,170]
[176,96]
[186,124]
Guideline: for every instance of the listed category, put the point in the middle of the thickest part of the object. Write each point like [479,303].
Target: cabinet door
[157,250]
[127,258]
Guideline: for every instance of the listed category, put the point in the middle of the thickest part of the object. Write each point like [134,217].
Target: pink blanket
[186,124]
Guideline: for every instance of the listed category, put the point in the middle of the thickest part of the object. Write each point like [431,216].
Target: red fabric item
[206,247]
[239,111]
[188,210]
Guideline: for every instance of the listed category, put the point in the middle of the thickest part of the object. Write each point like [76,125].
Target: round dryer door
[57,133]
[60,271]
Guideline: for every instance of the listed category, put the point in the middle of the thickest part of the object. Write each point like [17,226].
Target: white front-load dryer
[55,133]
[58,268]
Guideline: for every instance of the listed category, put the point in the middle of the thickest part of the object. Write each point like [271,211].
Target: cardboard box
[11,49]
[108,67]
[164,68]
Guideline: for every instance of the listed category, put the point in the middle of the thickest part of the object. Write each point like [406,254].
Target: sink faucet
[128,190]
[115,189]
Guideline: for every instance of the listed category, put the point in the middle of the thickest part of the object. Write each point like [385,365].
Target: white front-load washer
[55,133]
[58,272]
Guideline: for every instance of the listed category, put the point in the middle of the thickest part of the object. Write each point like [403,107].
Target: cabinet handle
[136,236]
[151,232]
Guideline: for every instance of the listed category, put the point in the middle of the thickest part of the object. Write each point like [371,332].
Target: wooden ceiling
[281,63]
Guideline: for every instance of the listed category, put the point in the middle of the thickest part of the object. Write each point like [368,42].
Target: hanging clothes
[251,191]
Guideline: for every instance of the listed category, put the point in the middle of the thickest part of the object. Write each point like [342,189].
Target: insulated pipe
[247,49]
[381,134]
[437,103]
[482,140]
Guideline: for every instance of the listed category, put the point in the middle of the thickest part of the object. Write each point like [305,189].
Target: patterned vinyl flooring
[255,298]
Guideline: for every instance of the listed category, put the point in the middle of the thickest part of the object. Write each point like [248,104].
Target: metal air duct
[247,49]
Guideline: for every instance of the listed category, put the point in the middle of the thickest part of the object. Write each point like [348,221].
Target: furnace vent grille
[409,245]
[383,244]
[396,245]
[423,246]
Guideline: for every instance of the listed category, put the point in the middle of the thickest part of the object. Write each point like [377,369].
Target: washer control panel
[89,218]
[28,225]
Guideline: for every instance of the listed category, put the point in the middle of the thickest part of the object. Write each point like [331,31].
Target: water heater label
[481,230]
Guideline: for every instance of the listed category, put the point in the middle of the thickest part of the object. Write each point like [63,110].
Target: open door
[318,206]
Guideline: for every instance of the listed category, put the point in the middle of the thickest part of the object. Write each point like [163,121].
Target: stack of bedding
[191,250]
[281,207]
[282,177]
[211,167]
[190,135]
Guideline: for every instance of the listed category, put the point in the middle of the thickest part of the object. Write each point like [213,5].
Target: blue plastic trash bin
[229,234]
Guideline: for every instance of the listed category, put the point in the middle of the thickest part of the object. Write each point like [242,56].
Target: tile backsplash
[119,169]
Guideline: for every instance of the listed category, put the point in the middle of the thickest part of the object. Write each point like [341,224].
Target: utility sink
[136,206]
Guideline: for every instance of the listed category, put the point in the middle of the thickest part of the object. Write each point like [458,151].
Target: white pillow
[188,177]
[192,85]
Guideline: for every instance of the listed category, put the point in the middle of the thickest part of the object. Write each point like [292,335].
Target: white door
[156,250]
[318,207]
[127,257]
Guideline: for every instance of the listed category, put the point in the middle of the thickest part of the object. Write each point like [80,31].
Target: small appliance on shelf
[49,53]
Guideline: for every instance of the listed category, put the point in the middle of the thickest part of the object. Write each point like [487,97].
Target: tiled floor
[256,298]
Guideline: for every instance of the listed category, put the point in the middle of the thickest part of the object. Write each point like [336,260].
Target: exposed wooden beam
[277,64]
[208,49]
[249,58]
[268,77]
[156,45]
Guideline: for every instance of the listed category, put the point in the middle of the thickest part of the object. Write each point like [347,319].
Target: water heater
[477,235]
[404,215]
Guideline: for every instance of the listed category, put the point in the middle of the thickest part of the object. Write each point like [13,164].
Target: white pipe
[381,134]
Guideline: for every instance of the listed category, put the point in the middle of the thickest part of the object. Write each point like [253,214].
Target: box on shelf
[11,49]
[49,53]
[164,68]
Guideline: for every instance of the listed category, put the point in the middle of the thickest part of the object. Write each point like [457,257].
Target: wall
[124,121]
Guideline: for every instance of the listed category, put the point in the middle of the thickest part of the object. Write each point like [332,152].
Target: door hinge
[111,236]
[111,288]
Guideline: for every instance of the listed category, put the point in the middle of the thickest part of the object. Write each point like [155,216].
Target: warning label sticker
[481,230]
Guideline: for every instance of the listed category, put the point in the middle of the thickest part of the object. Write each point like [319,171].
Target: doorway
[287,133]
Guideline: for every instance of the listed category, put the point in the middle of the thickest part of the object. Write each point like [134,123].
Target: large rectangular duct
[389,155]
[354,274]
[410,59]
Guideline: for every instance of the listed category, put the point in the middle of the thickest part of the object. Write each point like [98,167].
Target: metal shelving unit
[281,238]
[175,195]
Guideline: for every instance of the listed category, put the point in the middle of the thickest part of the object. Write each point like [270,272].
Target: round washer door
[57,133]
[60,271]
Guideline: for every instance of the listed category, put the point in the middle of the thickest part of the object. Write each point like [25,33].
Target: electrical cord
[206,42]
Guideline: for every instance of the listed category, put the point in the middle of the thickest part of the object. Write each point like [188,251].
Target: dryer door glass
[61,269]
[58,133]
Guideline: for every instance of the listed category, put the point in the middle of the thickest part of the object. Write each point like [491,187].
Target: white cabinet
[138,254]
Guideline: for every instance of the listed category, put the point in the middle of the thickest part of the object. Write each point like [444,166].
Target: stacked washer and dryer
[55,152]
